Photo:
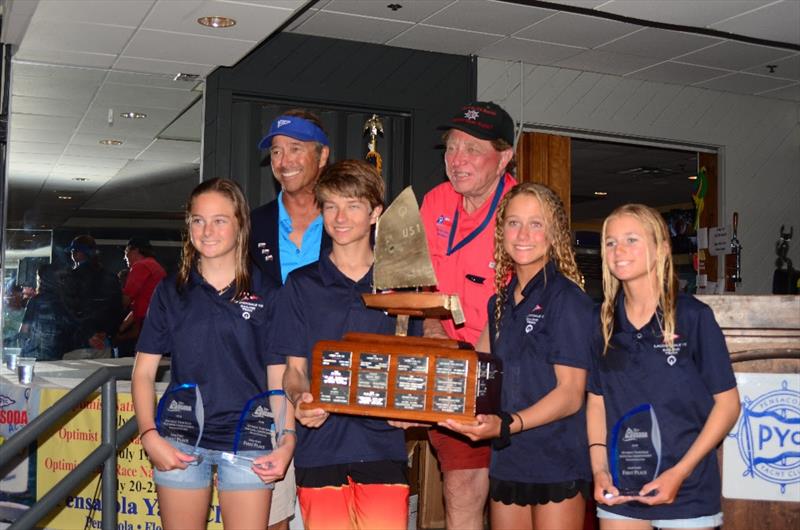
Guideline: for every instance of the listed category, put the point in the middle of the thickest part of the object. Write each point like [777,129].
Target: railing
[105,454]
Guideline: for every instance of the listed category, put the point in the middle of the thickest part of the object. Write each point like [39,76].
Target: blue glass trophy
[256,430]
[635,450]
[179,417]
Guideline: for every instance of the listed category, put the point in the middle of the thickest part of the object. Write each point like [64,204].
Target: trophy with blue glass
[635,450]
[179,417]
[256,429]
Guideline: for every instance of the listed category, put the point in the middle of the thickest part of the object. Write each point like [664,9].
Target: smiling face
[348,220]
[296,164]
[630,251]
[525,237]
[213,227]
[473,165]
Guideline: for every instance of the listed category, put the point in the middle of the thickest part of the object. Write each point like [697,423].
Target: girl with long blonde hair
[663,353]
[540,329]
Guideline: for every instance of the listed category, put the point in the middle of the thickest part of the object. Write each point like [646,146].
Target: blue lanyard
[472,235]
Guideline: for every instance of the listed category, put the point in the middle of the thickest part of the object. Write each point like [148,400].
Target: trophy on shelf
[374,127]
[401,377]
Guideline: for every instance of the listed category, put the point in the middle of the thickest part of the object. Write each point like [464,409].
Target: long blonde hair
[560,249]
[231,191]
[655,227]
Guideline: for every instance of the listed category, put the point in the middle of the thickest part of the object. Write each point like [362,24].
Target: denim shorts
[229,477]
[705,521]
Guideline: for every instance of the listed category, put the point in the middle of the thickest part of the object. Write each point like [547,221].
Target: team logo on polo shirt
[250,303]
[671,351]
[768,436]
[534,317]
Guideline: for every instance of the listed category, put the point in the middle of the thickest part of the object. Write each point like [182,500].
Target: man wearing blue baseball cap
[287,232]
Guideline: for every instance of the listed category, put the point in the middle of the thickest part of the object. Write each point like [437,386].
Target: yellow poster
[63,449]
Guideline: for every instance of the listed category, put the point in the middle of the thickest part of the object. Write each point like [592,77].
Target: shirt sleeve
[155,336]
[289,337]
[136,280]
[712,357]
[570,330]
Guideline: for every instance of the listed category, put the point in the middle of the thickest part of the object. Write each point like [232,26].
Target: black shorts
[525,493]
[378,472]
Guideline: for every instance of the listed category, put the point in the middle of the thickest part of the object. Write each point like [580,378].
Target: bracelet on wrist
[151,429]
[284,432]
[504,440]
[598,444]
[519,419]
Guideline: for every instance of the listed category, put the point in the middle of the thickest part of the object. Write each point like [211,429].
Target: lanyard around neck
[472,235]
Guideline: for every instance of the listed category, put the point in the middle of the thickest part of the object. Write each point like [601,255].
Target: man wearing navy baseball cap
[287,232]
[459,220]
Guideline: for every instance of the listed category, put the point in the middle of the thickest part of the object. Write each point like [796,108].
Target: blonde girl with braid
[540,325]
[661,349]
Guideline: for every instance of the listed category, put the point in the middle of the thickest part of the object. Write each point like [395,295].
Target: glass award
[179,417]
[256,429]
[635,450]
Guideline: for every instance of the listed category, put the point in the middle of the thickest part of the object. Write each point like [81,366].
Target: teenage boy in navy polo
[287,232]
[350,471]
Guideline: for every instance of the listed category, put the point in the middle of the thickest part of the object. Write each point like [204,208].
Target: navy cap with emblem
[294,127]
[483,119]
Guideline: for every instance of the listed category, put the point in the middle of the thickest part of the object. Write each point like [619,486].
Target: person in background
[46,327]
[540,328]
[459,220]
[665,349]
[213,317]
[93,299]
[144,274]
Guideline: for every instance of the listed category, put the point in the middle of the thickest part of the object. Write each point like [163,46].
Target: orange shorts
[457,452]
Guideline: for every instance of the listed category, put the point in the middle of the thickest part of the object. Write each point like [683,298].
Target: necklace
[219,291]
[222,291]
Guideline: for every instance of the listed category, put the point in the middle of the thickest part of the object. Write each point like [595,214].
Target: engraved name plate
[451,367]
[409,401]
[377,380]
[371,398]
[450,385]
[448,404]
[412,364]
[336,358]
[374,361]
[412,382]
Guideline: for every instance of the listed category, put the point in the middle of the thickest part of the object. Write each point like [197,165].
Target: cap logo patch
[472,114]
[281,123]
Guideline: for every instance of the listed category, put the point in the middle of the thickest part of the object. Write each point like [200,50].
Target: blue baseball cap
[294,127]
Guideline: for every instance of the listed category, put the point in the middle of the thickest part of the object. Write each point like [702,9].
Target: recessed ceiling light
[216,22]
[601,193]
[110,141]
[80,179]
[65,197]
[133,115]
[395,7]
[692,177]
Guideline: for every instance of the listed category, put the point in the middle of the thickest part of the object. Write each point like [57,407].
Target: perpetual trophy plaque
[404,378]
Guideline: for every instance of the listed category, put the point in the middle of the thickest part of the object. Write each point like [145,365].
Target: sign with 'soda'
[761,454]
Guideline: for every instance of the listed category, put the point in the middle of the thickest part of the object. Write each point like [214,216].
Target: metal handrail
[105,454]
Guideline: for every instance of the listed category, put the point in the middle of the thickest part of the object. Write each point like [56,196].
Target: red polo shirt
[142,280]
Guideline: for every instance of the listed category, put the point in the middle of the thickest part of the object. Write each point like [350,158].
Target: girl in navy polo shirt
[665,350]
[540,328]
[212,318]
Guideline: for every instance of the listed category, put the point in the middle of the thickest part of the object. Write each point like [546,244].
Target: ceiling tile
[75,37]
[412,10]
[744,83]
[47,106]
[788,68]
[577,30]
[138,64]
[500,18]
[35,121]
[22,169]
[93,161]
[791,93]
[96,120]
[353,27]
[171,151]
[119,96]
[78,91]
[128,13]
[152,44]
[605,62]
[658,43]
[34,158]
[299,21]
[253,22]
[93,140]
[101,150]
[734,55]
[72,74]
[70,172]
[676,73]
[36,147]
[684,12]
[38,135]
[779,21]
[66,57]
[531,52]
[443,40]
[153,80]
[189,126]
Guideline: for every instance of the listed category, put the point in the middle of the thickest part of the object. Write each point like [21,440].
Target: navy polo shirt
[551,325]
[679,383]
[318,303]
[214,342]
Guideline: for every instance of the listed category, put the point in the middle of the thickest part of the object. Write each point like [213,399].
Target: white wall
[758,138]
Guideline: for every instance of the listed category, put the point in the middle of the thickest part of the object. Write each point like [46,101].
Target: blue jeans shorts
[229,476]
[705,521]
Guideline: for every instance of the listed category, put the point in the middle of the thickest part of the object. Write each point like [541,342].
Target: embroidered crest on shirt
[533,318]
[671,351]
[250,303]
